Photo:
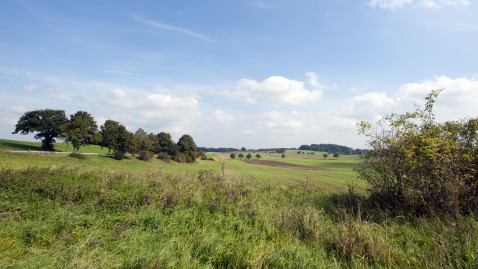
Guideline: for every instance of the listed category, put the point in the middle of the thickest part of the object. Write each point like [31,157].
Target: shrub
[145,155]
[164,157]
[419,164]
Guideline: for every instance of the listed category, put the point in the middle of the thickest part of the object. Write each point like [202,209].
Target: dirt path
[281,164]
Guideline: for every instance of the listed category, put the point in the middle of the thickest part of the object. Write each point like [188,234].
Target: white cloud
[397,4]
[223,117]
[459,99]
[277,90]
[154,112]
[390,4]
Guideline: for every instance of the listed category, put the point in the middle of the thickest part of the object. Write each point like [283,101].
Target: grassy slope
[36,146]
[61,212]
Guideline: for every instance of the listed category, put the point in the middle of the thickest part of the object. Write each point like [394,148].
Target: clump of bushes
[145,155]
[421,166]
[164,157]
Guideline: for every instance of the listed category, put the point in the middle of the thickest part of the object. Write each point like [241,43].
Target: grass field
[58,211]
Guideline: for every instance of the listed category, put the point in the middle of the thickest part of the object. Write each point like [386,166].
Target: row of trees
[241,155]
[331,148]
[81,129]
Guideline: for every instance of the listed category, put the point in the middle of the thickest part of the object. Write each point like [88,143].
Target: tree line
[344,150]
[81,129]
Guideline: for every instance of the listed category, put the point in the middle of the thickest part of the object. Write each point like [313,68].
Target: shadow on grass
[19,146]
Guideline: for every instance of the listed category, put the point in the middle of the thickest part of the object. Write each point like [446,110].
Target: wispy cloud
[263,5]
[172,28]
[397,4]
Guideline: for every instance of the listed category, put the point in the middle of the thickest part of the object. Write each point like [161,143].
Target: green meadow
[58,211]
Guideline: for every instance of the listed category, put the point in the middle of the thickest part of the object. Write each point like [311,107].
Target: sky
[231,73]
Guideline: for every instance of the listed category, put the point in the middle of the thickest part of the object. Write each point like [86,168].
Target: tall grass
[65,218]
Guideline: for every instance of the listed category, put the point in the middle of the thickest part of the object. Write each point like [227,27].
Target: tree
[422,166]
[80,129]
[166,144]
[240,155]
[336,155]
[325,156]
[187,148]
[243,149]
[116,138]
[258,156]
[109,133]
[46,123]
[143,140]
[233,155]
[283,155]
[248,156]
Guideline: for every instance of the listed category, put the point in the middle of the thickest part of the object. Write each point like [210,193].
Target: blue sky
[238,73]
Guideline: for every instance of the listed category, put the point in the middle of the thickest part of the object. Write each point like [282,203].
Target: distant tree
[165,144]
[109,133]
[243,149]
[46,123]
[122,143]
[283,155]
[325,156]
[299,152]
[240,155]
[143,140]
[336,155]
[233,155]
[258,156]
[248,156]
[187,147]
[80,129]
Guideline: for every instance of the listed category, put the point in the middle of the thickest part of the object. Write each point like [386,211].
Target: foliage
[330,148]
[187,149]
[283,155]
[164,157]
[325,155]
[166,144]
[258,156]
[248,156]
[201,155]
[79,130]
[46,123]
[115,137]
[232,155]
[145,155]
[240,155]
[422,166]
[336,155]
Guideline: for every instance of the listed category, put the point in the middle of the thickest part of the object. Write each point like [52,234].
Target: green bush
[145,155]
[421,166]
[164,157]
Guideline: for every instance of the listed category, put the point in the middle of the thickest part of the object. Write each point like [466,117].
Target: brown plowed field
[281,164]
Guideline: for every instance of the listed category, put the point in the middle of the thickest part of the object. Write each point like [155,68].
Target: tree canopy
[46,123]
[80,129]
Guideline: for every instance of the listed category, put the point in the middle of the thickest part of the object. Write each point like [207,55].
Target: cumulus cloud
[397,4]
[458,99]
[154,111]
[223,117]
[278,90]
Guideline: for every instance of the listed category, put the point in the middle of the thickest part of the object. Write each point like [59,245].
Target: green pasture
[8,145]
[58,211]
